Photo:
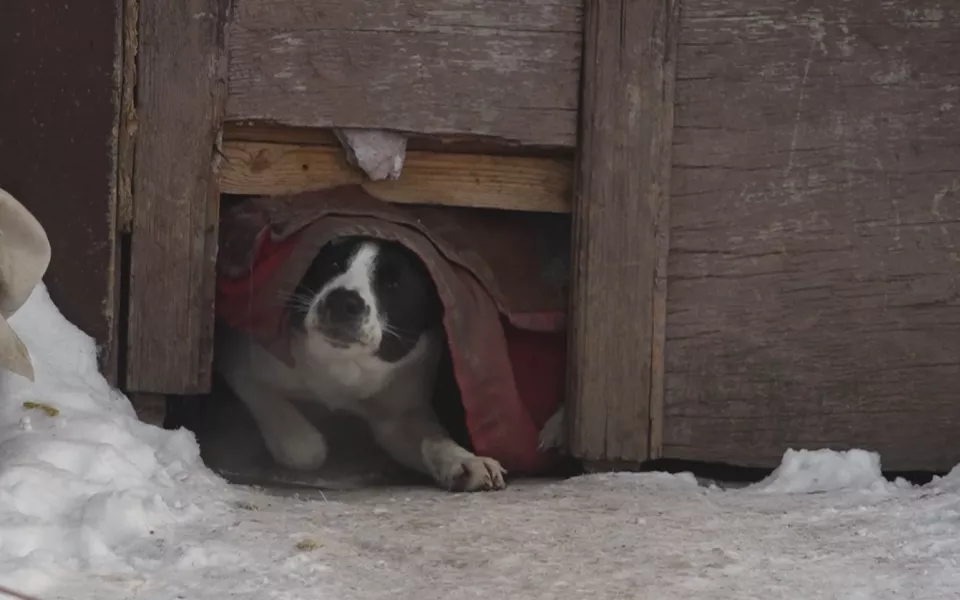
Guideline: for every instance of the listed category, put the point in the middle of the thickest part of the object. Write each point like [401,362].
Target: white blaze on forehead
[359,273]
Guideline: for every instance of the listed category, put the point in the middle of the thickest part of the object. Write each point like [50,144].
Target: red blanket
[503,313]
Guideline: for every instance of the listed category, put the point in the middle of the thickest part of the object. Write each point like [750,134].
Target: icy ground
[95,505]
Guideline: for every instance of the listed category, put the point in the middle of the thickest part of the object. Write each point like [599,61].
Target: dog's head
[364,296]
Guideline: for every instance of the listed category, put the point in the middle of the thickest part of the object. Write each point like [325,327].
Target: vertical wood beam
[181,93]
[619,215]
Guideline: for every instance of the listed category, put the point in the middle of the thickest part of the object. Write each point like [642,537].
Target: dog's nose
[343,304]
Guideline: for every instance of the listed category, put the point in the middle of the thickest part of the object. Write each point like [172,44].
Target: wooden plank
[180,97]
[662,234]
[58,148]
[127,132]
[512,183]
[815,232]
[620,195]
[249,131]
[504,69]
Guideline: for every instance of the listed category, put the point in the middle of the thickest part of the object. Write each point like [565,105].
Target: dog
[365,324]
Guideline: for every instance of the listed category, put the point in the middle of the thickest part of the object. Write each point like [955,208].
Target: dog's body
[366,338]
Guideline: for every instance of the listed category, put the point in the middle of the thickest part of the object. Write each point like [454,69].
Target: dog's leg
[553,435]
[418,441]
[291,439]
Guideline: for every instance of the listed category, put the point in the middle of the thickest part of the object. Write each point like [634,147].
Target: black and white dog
[366,337]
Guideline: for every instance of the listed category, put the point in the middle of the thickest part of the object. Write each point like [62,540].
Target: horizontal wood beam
[468,180]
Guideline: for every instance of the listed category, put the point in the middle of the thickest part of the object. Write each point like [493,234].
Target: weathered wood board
[180,96]
[815,232]
[58,148]
[470,180]
[621,191]
[508,69]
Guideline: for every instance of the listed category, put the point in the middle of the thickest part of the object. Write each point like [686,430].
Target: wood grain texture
[662,235]
[620,191]
[815,231]
[250,131]
[58,147]
[506,69]
[180,95]
[511,183]
[127,126]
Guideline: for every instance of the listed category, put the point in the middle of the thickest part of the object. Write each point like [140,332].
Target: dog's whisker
[398,332]
[396,328]
[299,298]
[297,302]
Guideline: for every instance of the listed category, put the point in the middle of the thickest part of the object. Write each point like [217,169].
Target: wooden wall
[813,276]
[810,201]
[59,91]
[508,70]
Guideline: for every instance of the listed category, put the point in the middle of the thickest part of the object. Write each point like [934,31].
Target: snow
[96,505]
[806,471]
[78,483]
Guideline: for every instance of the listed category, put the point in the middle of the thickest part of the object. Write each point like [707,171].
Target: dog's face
[363,296]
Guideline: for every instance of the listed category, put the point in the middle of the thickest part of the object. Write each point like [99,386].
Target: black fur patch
[407,297]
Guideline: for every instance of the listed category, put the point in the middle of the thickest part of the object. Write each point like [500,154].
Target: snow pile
[811,471]
[79,474]
[949,482]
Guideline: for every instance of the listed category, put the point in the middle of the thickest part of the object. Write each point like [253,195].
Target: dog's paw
[304,450]
[474,474]
[553,434]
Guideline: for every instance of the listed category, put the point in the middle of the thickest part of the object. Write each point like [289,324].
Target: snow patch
[948,483]
[811,471]
[79,475]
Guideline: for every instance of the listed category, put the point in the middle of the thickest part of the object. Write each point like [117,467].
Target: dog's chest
[355,382]
[340,384]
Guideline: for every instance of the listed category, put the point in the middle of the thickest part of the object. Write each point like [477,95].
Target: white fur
[394,398]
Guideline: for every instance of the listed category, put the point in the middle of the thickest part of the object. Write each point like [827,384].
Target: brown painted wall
[57,142]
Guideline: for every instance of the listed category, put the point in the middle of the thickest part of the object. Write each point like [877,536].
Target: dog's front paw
[473,474]
[304,450]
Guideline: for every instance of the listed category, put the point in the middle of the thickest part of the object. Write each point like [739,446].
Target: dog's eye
[391,282]
[390,277]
